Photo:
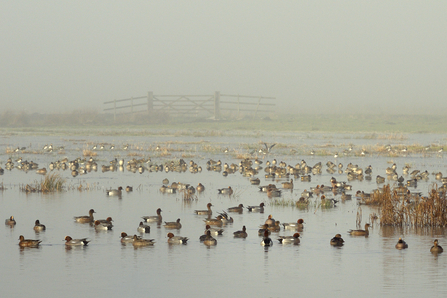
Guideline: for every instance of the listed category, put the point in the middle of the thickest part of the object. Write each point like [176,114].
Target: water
[363,266]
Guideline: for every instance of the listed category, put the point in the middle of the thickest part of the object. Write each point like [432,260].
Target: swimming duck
[294,225]
[114,192]
[337,240]
[200,187]
[205,212]
[173,224]
[266,241]
[108,221]
[364,232]
[209,240]
[153,218]
[241,234]
[85,218]
[213,231]
[176,239]
[38,227]
[142,228]
[276,227]
[273,192]
[28,242]
[266,187]
[226,218]
[263,229]
[288,185]
[138,241]
[214,221]
[226,191]
[401,244]
[10,221]
[42,171]
[436,248]
[102,226]
[270,221]
[255,181]
[290,239]
[238,209]
[126,238]
[75,242]
[259,208]
[129,188]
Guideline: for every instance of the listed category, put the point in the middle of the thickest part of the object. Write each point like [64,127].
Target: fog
[313,56]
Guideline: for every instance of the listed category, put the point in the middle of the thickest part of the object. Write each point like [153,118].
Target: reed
[52,182]
[398,208]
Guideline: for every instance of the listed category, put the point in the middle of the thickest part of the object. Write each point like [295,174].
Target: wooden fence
[192,105]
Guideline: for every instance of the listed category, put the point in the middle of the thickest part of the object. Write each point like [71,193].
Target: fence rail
[193,105]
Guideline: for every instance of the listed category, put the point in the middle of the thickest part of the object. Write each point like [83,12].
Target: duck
[259,208]
[276,227]
[255,181]
[205,212]
[273,192]
[173,224]
[401,244]
[266,241]
[102,226]
[241,234]
[38,227]
[10,221]
[214,221]
[114,192]
[213,231]
[364,232]
[108,221]
[238,209]
[142,228]
[337,240]
[129,188]
[28,242]
[127,238]
[288,185]
[436,248]
[153,218]
[225,218]
[209,240]
[294,225]
[42,171]
[226,191]
[138,241]
[262,229]
[270,221]
[75,242]
[85,218]
[200,187]
[295,239]
[176,239]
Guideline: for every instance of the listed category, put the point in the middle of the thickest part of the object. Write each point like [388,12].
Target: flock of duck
[248,168]
[212,228]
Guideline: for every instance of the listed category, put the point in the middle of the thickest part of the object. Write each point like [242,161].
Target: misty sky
[342,56]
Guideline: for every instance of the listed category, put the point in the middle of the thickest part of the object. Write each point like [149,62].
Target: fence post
[114,110]
[216,105]
[238,106]
[257,107]
[150,102]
